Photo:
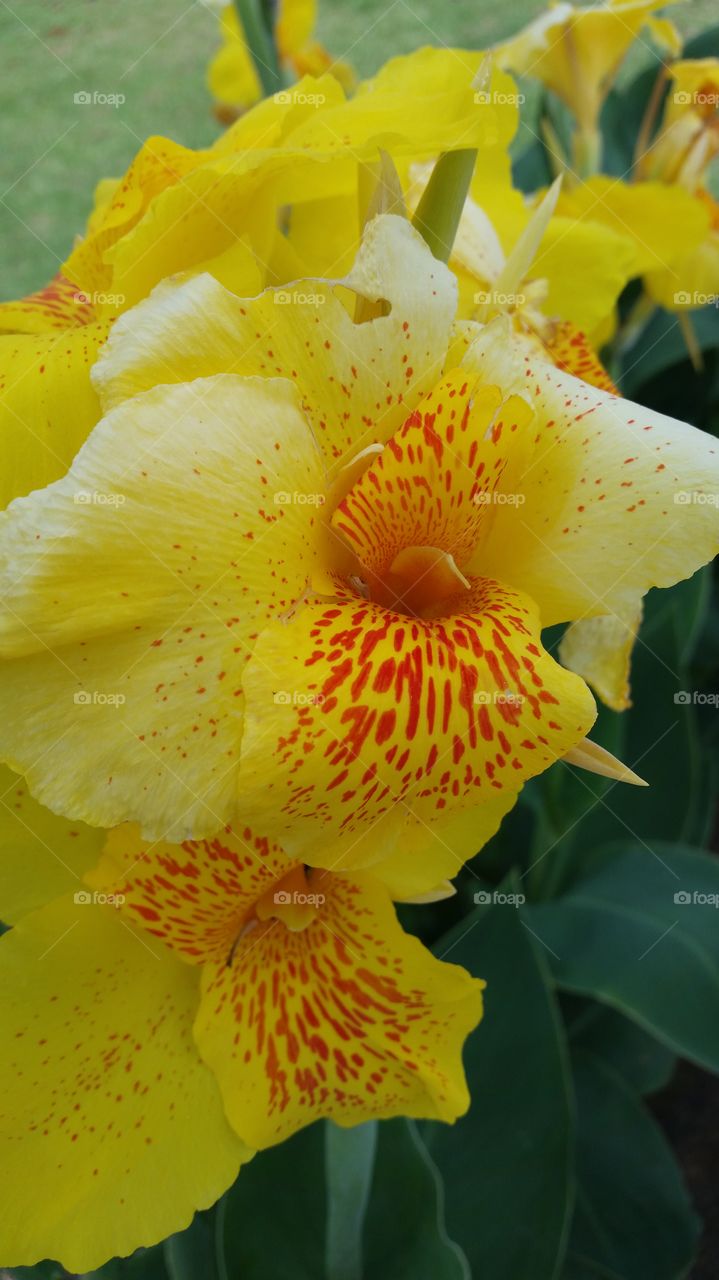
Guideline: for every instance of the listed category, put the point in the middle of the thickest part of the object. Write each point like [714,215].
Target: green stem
[440,209]
[260,42]
[349,1170]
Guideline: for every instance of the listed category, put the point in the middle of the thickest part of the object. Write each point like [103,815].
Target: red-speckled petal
[572,352]
[350,1019]
[358,715]
[112,1127]
[435,480]
[616,498]
[60,304]
[132,592]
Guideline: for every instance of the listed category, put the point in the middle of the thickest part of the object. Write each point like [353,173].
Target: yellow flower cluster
[289,503]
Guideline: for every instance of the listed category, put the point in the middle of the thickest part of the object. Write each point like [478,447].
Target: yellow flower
[48,343]
[298,574]
[576,51]
[232,75]
[194,1003]
[225,210]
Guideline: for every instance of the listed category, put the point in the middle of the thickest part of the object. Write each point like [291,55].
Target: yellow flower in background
[681,156]
[225,210]
[576,51]
[232,75]
[202,1001]
[346,540]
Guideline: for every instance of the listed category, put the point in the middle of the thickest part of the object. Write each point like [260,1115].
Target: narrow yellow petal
[595,759]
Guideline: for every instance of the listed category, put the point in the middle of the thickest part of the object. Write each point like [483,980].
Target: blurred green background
[52,151]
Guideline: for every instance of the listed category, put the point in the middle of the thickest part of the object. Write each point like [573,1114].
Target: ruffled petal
[113,1129]
[132,591]
[357,381]
[600,651]
[616,498]
[358,716]
[349,1018]
[47,404]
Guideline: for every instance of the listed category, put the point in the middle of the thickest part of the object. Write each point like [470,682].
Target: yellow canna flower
[193,1004]
[345,540]
[48,344]
[576,51]
[224,210]
[232,75]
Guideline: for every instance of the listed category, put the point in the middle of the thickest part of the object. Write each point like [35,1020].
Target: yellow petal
[351,1019]
[600,650]
[47,403]
[132,591]
[357,382]
[383,717]
[113,1129]
[614,498]
[43,855]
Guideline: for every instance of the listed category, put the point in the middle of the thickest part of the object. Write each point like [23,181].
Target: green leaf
[191,1253]
[349,1168]
[405,1234]
[637,1057]
[633,1217]
[272,1221]
[624,937]
[661,346]
[507,1164]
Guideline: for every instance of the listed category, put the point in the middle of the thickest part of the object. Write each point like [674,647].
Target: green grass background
[52,151]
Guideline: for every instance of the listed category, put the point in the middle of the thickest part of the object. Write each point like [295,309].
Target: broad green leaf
[661,346]
[272,1221]
[642,935]
[191,1253]
[349,1169]
[633,1218]
[641,1061]
[506,1165]
[405,1235]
